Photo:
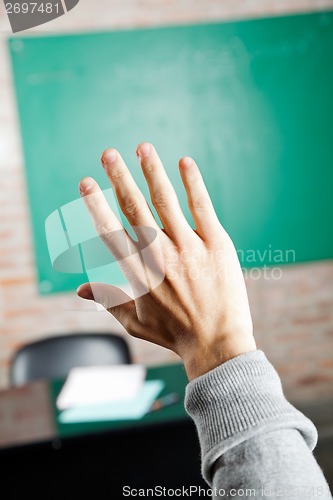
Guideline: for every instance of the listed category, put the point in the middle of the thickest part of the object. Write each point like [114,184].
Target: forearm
[250,435]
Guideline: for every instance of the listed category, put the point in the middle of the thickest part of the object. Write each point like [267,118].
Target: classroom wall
[293,315]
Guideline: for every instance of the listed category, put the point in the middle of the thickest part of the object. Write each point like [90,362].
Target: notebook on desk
[104,393]
[131,409]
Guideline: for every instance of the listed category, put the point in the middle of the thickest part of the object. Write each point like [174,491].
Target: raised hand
[199,308]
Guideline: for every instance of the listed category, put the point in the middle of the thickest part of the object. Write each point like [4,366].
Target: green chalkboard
[251,101]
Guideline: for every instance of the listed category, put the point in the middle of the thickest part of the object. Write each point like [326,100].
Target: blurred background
[293,315]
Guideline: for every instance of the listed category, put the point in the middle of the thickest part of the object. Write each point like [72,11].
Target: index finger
[114,236]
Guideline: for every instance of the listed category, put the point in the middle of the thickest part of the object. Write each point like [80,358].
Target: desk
[97,458]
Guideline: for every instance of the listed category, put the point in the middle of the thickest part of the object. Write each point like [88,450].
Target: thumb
[106,295]
[112,298]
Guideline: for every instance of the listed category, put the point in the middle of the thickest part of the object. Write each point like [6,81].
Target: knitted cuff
[237,400]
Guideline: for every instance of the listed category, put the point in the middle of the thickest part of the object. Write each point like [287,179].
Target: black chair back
[54,357]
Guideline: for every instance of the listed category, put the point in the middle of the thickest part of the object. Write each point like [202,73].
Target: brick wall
[293,316]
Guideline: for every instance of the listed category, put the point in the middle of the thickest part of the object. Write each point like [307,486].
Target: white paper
[133,409]
[101,384]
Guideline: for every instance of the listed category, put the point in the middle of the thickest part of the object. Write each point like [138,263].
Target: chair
[53,357]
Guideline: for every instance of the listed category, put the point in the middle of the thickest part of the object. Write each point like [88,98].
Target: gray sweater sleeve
[254,443]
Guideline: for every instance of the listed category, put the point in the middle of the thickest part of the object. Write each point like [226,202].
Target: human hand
[200,310]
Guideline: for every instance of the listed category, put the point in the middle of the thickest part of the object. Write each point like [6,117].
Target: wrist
[202,360]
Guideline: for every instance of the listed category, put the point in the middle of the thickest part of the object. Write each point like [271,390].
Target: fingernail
[108,157]
[84,186]
[144,150]
[84,293]
[83,189]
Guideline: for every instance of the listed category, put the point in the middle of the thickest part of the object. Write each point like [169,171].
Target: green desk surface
[250,100]
[175,380]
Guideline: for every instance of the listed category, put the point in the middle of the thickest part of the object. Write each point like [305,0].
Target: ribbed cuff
[239,399]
